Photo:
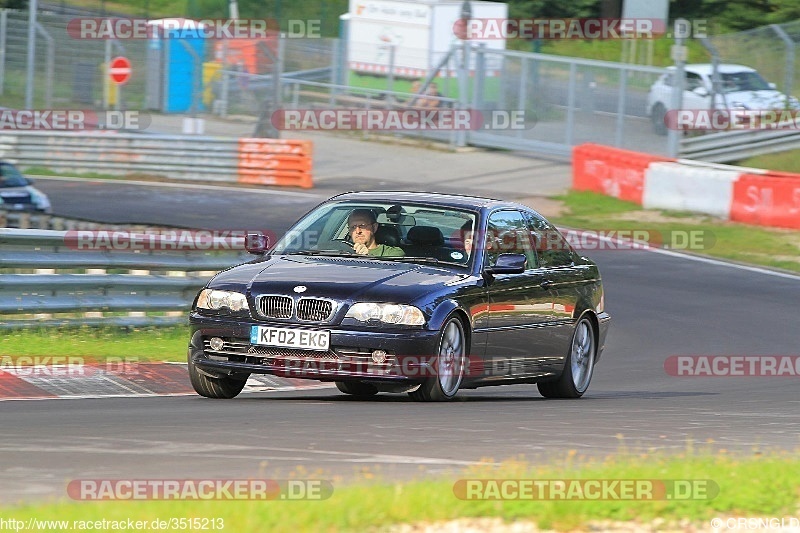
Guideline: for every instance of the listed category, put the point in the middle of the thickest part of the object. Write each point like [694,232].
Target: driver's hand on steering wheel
[361,248]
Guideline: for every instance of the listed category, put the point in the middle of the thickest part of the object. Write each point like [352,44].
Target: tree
[14,4]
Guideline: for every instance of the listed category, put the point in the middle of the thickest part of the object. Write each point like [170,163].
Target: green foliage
[754,485]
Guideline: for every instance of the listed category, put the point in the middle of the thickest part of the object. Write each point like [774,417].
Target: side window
[508,233]
[552,248]
[693,81]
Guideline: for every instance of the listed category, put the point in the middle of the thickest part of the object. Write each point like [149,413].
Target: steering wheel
[345,244]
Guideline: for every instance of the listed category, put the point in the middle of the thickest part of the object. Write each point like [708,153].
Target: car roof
[708,68]
[445,200]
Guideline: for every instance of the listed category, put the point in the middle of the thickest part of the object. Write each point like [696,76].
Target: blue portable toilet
[175,57]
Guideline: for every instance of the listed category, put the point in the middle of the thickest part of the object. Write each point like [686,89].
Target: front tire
[218,388]
[578,369]
[449,365]
[658,116]
[357,388]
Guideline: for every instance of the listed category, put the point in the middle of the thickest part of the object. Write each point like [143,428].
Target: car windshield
[11,177]
[407,232]
[743,81]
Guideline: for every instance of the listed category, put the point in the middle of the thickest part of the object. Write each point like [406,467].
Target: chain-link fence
[772,50]
[566,101]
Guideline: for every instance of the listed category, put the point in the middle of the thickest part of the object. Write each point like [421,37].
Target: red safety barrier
[275,162]
[771,199]
[611,171]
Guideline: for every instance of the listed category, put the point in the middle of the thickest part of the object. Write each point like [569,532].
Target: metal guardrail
[181,157]
[729,146]
[41,275]
[175,156]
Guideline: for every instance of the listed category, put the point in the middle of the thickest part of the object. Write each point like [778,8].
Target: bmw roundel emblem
[300,288]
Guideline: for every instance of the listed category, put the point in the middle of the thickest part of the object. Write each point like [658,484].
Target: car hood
[766,99]
[11,194]
[337,278]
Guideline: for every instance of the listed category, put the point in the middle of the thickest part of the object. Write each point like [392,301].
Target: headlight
[387,313]
[40,200]
[216,300]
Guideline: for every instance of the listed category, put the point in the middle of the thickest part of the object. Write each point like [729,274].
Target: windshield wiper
[425,260]
[326,253]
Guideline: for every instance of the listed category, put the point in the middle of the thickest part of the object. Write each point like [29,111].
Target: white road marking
[690,257]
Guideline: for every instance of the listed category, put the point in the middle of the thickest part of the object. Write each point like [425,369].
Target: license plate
[301,339]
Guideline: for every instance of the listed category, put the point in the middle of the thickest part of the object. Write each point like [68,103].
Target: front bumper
[410,354]
[604,321]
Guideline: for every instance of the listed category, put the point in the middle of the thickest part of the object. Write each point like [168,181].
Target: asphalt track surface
[661,304]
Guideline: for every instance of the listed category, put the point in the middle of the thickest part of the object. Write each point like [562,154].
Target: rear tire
[578,369]
[218,388]
[358,389]
[449,365]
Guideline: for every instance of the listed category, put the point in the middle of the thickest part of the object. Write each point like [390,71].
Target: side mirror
[256,242]
[772,85]
[700,91]
[508,264]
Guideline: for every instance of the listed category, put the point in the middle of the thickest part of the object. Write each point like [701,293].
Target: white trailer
[421,32]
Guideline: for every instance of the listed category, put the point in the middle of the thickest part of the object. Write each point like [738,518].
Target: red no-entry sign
[120,70]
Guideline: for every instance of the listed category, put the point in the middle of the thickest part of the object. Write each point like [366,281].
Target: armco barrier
[611,171]
[752,196]
[181,157]
[42,275]
[689,188]
[275,162]
[771,199]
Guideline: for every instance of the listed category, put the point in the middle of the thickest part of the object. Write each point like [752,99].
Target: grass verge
[98,343]
[788,161]
[759,485]
[771,247]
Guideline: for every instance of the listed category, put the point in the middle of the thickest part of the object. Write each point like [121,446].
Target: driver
[362,225]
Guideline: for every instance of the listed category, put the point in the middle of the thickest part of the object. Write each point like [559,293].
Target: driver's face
[468,237]
[362,231]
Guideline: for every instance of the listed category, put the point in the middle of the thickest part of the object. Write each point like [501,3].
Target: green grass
[758,485]
[98,343]
[771,247]
[788,161]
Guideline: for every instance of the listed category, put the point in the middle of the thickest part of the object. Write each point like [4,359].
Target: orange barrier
[771,199]
[611,171]
[275,162]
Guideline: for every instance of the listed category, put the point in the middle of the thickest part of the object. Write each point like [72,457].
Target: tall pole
[31,54]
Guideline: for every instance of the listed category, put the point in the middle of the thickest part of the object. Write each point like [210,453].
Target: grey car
[17,193]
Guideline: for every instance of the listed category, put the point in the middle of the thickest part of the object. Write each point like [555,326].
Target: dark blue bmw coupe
[405,292]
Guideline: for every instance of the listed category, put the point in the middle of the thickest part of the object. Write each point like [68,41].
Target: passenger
[362,226]
[467,236]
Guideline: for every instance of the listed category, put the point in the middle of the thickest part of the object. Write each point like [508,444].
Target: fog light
[379,356]
[216,343]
